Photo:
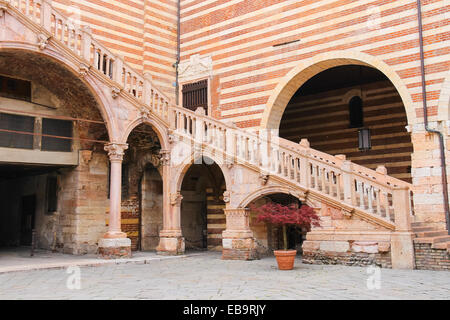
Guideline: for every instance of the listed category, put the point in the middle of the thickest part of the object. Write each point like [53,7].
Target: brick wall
[428,258]
[144,32]
[348,259]
[244,37]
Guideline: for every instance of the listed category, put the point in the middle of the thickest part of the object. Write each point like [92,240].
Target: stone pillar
[171,241]
[237,239]
[115,243]
[402,247]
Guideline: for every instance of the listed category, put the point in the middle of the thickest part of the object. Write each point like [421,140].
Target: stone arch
[159,129]
[180,173]
[267,191]
[91,83]
[287,87]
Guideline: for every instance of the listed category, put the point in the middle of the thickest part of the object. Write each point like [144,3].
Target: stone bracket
[42,41]
[115,92]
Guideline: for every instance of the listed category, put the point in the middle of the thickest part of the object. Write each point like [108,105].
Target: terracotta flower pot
[285,259]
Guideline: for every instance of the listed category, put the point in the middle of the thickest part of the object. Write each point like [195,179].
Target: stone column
[237,239]
[402,246]
[115,243]
[171,241]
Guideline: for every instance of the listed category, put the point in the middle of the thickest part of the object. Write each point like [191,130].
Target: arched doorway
[142,189]
[269,237]
[353,110]
[202,216]
[151,208]
[53,168]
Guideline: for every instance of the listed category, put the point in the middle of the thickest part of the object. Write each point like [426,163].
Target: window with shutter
[195,95]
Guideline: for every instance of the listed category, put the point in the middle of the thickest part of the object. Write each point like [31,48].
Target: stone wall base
[239,254]
[428,258]
[114,248]
[239,249]
[171,246]
[348,258]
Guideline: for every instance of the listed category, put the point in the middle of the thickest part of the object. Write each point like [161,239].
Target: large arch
[69,64]
[55,75]
[306,70]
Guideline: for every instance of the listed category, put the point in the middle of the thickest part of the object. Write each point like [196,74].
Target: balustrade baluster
[378,201]
[370,198]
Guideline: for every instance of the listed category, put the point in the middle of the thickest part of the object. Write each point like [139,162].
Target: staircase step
[418,224]
[427,234]
[442,245]
[432,240]
[423,229]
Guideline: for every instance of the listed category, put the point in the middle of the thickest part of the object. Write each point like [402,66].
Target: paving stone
[206,276]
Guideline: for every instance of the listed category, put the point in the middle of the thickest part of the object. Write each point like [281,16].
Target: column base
[239,249]
[114,248]
[402,250]
[115,235]
[171,246]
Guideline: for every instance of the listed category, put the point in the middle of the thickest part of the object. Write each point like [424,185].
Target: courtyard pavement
[205,276]
[19,259]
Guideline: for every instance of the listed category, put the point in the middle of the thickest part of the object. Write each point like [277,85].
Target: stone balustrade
[369,192]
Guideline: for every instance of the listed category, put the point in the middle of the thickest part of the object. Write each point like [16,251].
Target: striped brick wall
[118,24]
[324,120]
[216,220]
[144,32]
[160,42]
[244,37]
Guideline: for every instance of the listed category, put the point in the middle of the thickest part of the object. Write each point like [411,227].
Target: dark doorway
[27,219]
[202,216]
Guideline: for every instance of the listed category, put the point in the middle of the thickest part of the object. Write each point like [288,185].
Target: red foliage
[278,214]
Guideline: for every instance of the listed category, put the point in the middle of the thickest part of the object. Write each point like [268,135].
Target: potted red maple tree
[284,216]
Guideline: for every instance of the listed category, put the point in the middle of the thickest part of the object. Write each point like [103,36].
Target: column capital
[164,157]
[237,212]
[116,150]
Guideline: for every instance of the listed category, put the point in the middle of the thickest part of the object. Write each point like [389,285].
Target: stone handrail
[367,191]
[81,42]
[371,193]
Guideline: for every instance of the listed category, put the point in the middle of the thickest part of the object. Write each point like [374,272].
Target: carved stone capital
[301,195]
[145,114]
[86,156]
[238,222]
[347,213]
[226,196]
[115,92]
[229,163]
[236,213]
[116,151]
[172,138]
[164,157]
[84,70]
[175,199]
[42,40]
[263,178]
